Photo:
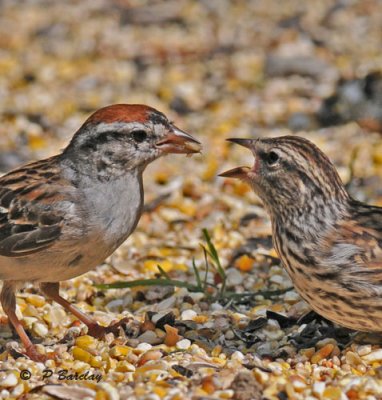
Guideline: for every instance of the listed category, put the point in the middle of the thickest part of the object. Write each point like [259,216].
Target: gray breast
[115,207]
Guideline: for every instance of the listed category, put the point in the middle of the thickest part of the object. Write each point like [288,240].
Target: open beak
[238,173]
[179,142]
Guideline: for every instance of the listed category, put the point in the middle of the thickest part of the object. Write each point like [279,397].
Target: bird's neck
[308,221]
[114,205]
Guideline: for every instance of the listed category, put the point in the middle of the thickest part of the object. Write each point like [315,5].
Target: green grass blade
[163,272]
[197,275]
[150,282]
[214,254]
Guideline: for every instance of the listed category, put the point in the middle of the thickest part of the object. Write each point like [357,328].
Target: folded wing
[30,221]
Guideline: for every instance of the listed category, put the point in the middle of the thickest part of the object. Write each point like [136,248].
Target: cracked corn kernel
[187,207]
[160,391]
[123,366]
[96,362]
[216,351]
[244,263]
[119,351]
[150,356]
[332,393]
[40,329]
[208,385]
[102,395]
[201,319]
[81,354]
[152,265]
[85,342]
[324,352]
[35,300]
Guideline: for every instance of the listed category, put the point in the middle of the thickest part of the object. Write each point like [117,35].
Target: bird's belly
[359,310]
[57,263]
[113,214]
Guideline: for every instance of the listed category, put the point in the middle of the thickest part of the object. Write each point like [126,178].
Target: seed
[81,355]
[40,329]
[324,352]
[35,300]
[85,342]
[119,351]
[332,393]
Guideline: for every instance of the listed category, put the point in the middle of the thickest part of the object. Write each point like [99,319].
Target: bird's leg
[8,302]
[51,289]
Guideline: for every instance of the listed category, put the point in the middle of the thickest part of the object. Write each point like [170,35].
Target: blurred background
[219,68]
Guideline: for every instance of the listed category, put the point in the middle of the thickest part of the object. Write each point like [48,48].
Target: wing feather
[354,245]
[29,223]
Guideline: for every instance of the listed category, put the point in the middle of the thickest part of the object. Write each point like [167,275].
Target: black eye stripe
[139,135]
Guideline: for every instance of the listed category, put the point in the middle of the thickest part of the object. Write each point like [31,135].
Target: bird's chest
[114,209]
[298,259]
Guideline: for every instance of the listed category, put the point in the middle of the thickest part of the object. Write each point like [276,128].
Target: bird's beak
[240,172]
[178,141]
[248,143]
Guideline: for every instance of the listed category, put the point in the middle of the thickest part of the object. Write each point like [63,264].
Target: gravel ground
[219,69]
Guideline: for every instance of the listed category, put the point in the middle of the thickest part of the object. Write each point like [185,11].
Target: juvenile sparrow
[329,243]
[62,216]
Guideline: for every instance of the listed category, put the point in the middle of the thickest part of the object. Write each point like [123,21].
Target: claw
[34,355]
[99,331]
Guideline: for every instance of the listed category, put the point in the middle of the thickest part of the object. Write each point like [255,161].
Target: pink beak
[179,142]
[238,173]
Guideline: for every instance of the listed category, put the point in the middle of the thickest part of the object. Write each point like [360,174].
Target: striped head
[123,137]
[290,173]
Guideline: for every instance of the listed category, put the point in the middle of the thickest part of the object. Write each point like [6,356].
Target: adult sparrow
[329,243]
[62,216]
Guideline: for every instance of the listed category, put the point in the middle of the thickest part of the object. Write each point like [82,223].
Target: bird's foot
[34,355]
[99,331]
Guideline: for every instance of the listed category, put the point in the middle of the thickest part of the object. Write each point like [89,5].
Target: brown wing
[29,220]
[368,232]
[354,246]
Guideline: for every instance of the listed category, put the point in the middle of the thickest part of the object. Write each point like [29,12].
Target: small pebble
[148,337]
[229,335]
[292,297]
[278,279]
[183,344]
[188,315]
[144,346]
[234,277]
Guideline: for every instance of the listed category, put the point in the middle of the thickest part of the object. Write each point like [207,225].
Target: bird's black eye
[272,158]
[139,136]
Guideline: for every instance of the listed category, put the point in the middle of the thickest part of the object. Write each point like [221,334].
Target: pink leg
[51,289]
[8,301]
